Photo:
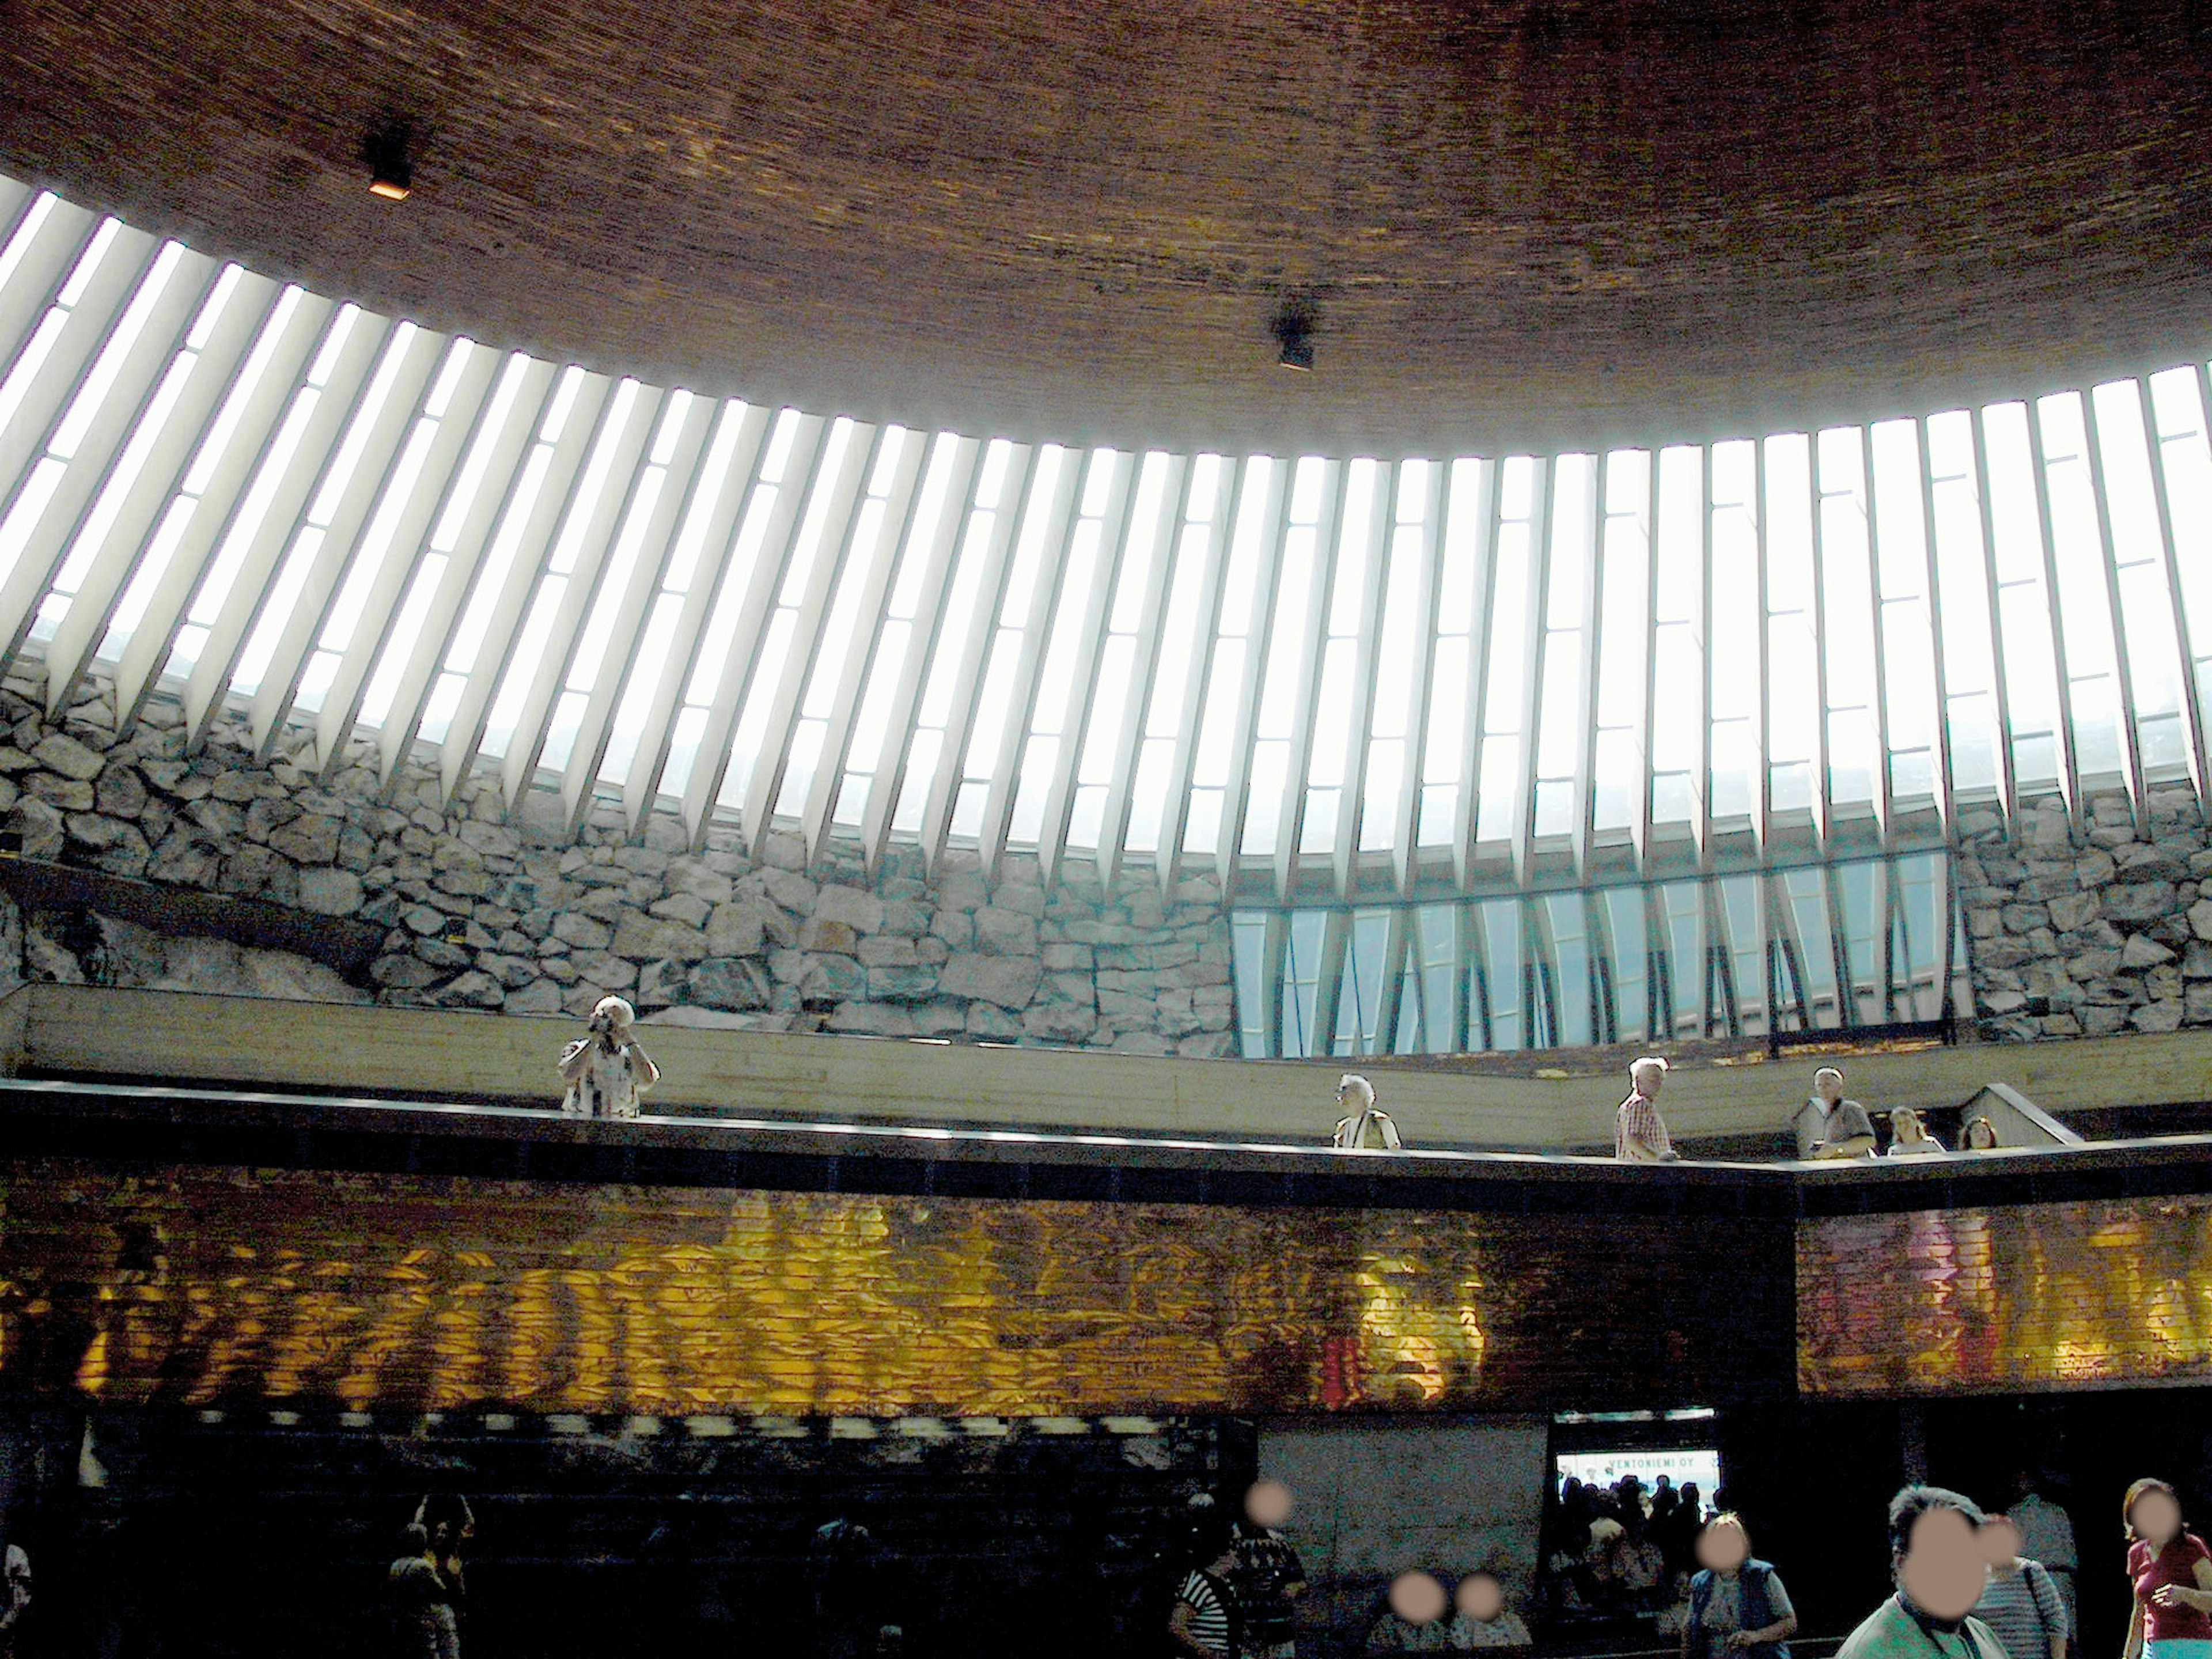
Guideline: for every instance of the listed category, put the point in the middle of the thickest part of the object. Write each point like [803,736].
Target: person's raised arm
[575,1061]
[1182,1632]
[647,1073]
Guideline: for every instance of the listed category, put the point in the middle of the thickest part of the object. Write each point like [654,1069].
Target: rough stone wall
[2088,934]
[521,916]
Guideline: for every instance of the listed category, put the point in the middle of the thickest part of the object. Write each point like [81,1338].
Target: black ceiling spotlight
[1293,329]
[390,170]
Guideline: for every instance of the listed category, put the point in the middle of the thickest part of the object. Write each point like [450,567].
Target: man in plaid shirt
[1639,1136]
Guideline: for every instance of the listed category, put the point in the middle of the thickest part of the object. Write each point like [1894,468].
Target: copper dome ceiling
[1535,222]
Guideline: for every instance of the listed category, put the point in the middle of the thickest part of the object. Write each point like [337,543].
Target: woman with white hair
[605,1069]
[1364,1126]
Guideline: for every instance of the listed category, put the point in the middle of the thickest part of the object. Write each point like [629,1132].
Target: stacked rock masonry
[520,914]
[2091,929]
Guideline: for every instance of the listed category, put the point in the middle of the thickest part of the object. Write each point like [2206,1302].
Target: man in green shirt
[1938,1560]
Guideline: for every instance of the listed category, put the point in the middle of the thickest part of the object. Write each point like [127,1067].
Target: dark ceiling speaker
[391,167]
[1293,329]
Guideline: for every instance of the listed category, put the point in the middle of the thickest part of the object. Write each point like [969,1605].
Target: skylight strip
[799,449]
[124,386]
[483,651]
[296,459]
[207,380]
[715,572]
[375,449]
[498,468]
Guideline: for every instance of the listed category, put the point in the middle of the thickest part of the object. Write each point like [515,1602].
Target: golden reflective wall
[202,1284]
[2032,1296]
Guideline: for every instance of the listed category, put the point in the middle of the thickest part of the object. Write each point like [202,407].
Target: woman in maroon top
[2171,1571]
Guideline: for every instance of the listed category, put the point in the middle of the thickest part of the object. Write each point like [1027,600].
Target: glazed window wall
[1842,947]
[1368,676]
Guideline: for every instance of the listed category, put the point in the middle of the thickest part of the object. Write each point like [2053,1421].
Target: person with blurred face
[2020,1602]
[1415,1621]
[1269,1578]
[1737,1604]
[1480,1617]
[1935,1551]
[2171,1573]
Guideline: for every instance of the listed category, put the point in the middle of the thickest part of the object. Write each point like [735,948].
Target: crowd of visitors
[1969,1584]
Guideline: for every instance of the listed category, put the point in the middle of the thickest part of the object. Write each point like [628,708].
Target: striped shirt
[2024,1609]
[1209,1606]
[1639,1136]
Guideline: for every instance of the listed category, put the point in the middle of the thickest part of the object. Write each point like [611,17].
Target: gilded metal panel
[2027,1297]
[195,1285]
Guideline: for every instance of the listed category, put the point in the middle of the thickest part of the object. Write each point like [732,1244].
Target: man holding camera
[606,1071]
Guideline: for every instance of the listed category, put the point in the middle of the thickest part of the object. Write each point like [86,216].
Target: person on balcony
[606,1069]
[1909,1136]
[1639,1134]
[1365,1127]
[1830,1127]
[1980,1136]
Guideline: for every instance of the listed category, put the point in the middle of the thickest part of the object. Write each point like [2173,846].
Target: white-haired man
[1639,1134]
[1364,1125]
[606,1069]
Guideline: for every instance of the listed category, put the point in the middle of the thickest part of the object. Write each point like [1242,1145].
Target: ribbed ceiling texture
[1533,224]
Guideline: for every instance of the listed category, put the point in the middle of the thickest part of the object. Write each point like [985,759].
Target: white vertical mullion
[1328,535]
[2007,765]
[1534,633]
[1945,791]
[841,523]
[147,651]
[1823,793]
[503,475]
[1586,679]
[923,643]
[2070,757]
[1490,515]
[1144,671]
[337,403]
[1701,818]
[86,475]
[1198,673]
[385,442]
[626,468]
[802,472]
[1059,511]
[70,360]
[412,526]
[1762,715]
[1885,791]
[213,372]
[1404,843]
[1258,640]
[857,658]
[656,542]
[1382,537]
[56,245]
[1006,784]
[1647,692]
[589,416]
[2200,777]
[748,454]
[2092,444]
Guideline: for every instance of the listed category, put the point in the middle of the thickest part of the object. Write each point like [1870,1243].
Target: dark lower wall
[155,1532]
[2095,1293]
[201,1287]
